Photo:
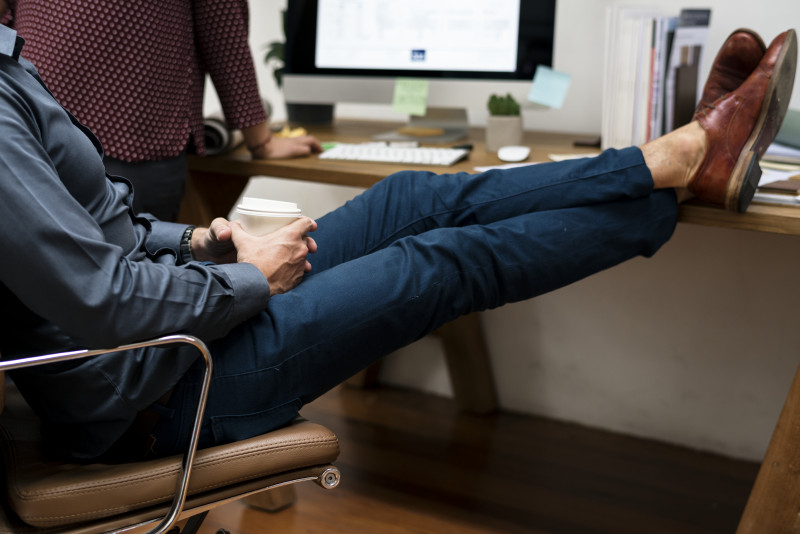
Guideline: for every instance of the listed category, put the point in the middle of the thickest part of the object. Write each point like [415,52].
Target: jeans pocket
[229,428]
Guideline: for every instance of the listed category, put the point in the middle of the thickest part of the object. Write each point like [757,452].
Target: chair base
[273,500]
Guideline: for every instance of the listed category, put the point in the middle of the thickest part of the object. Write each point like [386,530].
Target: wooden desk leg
[775,498]
[468,364]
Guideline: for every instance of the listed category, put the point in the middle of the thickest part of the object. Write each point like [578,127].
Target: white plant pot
[503,131]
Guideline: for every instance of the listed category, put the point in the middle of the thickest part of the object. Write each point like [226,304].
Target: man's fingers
[304,225]
[220,229]
[312,245]
[307,222]
[236,230]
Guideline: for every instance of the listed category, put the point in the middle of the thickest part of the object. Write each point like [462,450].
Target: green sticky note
[410,96]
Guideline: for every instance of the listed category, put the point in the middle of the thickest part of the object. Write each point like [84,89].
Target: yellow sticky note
[410,96]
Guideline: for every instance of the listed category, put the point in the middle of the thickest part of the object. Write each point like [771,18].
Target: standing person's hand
[263,145]
[282,255]
[289,147]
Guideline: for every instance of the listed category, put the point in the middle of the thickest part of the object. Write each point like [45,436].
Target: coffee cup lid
[253,204]
[262,213]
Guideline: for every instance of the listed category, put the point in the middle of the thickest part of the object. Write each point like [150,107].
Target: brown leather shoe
[742,124]
[739,55]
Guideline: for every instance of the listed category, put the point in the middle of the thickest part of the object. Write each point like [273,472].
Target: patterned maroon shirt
[133,70]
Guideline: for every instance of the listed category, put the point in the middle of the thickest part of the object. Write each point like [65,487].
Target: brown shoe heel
[747,172]
[747,189]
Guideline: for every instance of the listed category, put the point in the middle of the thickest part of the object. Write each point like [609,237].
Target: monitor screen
[354,51]
[466,39]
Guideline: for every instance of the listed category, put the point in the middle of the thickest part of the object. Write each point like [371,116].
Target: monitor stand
[438,125]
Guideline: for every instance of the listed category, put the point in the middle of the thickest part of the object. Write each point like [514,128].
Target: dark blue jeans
[413,252]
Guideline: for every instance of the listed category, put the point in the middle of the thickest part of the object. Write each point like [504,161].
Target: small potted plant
[274,58]
[504,123]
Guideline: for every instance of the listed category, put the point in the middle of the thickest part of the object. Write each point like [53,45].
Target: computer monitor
[353,51]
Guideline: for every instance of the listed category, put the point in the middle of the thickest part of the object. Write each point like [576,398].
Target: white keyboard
[392,154]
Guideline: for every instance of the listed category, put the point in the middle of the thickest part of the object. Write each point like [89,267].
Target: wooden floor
[411,462]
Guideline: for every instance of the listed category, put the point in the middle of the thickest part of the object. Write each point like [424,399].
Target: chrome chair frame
[188,460]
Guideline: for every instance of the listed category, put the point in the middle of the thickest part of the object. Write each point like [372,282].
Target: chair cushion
[44,492]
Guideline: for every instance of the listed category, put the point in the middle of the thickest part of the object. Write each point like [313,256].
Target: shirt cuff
[250,288]
[165,235]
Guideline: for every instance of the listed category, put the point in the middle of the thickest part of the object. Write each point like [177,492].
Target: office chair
[43,495]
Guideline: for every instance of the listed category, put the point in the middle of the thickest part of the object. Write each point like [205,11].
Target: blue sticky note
[549,87]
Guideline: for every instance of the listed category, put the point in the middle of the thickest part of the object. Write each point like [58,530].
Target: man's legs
[349,314]
[410,203]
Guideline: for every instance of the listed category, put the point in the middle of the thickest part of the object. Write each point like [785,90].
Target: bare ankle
[674,158]
[697,143]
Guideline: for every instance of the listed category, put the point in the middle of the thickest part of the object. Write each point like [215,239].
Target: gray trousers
[157,185]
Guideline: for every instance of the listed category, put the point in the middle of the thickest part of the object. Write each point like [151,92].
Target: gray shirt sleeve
[74,253]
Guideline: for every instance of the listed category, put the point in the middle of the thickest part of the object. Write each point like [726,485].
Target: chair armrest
[188,460]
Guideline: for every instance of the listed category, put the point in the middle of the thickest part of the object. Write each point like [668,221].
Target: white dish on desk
[513,153]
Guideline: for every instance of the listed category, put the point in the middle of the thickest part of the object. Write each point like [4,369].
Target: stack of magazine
[651,84]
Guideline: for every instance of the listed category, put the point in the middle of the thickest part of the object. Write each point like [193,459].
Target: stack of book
[652,61]
[780,179]
[779,187]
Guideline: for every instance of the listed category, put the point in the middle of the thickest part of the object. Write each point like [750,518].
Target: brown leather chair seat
[45,495]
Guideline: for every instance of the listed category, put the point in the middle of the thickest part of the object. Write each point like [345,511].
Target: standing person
[133,71]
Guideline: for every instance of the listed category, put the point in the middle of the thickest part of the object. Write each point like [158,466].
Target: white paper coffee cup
[260,216]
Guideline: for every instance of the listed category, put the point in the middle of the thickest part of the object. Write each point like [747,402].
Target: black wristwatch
[186,245]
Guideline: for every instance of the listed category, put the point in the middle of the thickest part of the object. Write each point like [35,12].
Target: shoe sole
[747,171]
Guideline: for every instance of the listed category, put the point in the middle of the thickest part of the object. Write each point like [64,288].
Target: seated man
[413,252]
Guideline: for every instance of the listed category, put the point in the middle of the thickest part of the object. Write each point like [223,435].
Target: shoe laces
[706,108]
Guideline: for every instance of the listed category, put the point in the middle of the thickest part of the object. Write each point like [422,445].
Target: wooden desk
[215,184]
[218,181]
